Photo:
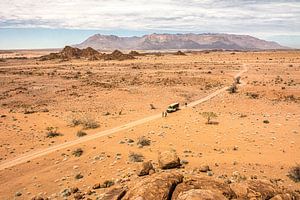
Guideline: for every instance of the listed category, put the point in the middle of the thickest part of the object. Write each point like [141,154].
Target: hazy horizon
[53,24]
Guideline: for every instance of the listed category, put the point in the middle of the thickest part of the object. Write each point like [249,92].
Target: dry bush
[52,132]
[77,152]
[143,141]
[90,123]
[252,95]
[294,173]
[208,116]
[136,157]
[232,89]
[81,133]
[86,122]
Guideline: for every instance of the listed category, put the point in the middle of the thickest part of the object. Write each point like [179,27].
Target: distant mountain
[178,41]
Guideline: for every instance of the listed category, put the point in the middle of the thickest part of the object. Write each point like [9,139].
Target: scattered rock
[17,194]
[204,168]
[168,160]
[144,168]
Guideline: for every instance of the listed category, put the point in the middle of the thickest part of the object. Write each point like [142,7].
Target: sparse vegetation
[294,173]
[86,122]
[77,152]
[136,157]
[232,89]
[252,95]
[143,141]
[208,116]
[81,133]
[52,132]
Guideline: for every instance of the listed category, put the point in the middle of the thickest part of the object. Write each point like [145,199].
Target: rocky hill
[88,53]
[178,41]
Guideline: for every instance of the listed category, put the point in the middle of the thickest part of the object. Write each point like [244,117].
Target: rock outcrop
[88,53]
[172,185]
[156,187]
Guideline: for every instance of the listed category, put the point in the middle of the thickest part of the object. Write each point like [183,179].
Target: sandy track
[32,155]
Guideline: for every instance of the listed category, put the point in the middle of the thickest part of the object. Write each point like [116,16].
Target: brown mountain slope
[179,41]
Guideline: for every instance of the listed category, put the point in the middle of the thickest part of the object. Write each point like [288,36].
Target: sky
[28,24]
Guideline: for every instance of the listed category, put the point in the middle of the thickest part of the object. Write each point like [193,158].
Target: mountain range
[188,41]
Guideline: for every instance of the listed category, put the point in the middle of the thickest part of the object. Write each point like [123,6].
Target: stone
[144,168]
[204,168]
[155,187]
[17,194]
[199,194]
[219,189]
[168,160]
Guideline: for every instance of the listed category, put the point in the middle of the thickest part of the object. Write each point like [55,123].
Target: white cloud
[235,16]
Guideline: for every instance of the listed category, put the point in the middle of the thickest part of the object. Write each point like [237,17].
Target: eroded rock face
[168,160]
[204,183]
[156,187]
[114,194]
[200,194]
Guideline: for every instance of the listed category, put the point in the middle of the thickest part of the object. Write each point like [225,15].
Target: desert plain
[47,104]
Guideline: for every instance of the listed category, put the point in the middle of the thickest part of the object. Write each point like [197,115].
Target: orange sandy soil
[70,89]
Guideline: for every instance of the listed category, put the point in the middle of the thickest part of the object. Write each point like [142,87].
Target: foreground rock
[155,187]
[145,168]
[172,185]
[207,185]
[168,160]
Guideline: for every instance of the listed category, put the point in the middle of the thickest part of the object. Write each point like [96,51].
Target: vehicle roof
[174,104]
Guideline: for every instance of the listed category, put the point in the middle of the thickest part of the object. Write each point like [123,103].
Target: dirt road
[32,155]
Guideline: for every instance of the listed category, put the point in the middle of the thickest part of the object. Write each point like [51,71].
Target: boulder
[204,183]
[261,189]
[168,160]
[144,168]
[158,186]
[199,194]
[116,193]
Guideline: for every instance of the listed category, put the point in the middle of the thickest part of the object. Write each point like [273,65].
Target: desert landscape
[81,124]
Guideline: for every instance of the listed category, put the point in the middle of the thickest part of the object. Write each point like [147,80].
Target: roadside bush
[86,122]
[232,89]
[81,133]
[52,132]
[136,157]
[77,152]
[90,123]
